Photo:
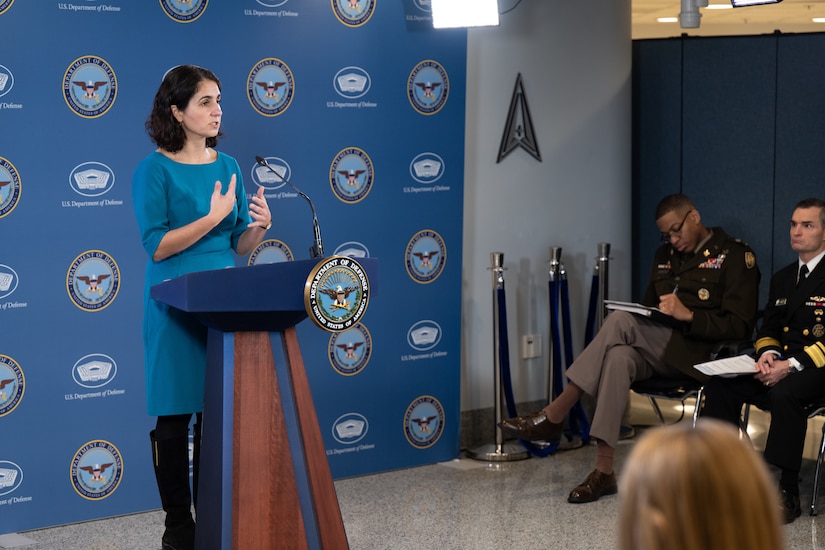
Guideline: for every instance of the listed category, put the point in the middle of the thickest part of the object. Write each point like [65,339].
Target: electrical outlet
[530,346]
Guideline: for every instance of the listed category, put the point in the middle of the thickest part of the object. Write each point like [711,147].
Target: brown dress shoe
[533,426]
[596,485]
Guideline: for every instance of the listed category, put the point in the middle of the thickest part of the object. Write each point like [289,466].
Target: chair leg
[699,395]
[743,423]
[656,409]
[815,490]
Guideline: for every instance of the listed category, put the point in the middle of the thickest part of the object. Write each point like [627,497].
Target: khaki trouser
[626,348]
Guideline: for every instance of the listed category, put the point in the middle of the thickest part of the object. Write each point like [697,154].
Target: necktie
[803,272]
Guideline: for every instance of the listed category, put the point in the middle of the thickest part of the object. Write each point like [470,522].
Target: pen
[675,288]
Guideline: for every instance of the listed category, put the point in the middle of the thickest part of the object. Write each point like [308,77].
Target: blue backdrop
[359,103]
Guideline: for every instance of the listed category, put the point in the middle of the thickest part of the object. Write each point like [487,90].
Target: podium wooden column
[264,478]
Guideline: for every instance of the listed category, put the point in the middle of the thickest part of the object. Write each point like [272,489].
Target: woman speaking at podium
[192,213]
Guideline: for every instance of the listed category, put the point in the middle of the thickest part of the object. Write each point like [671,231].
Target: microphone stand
[317,248]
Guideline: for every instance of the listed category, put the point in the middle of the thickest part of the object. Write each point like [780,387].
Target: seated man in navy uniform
[790,352]
[701,277]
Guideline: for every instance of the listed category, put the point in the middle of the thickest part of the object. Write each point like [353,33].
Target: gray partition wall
[735,123]
[657,143]
[800,131]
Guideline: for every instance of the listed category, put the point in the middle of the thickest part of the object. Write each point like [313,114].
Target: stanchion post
[602,271]
[499,451]
[561,348]
[497,268]
[555,276]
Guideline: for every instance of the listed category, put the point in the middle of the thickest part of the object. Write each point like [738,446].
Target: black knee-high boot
[171,461]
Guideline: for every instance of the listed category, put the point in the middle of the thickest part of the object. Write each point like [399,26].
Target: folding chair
[683,388]
[818,409]
[675,389]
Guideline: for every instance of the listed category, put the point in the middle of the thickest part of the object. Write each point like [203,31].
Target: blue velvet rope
[506,378]
[555,336]
[532,448]
[504,354]
[559,301]
[576,417]
[590,327]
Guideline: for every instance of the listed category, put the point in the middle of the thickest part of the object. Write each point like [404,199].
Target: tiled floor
[464,504]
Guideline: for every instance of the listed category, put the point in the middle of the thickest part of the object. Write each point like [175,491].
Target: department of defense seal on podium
[336,293]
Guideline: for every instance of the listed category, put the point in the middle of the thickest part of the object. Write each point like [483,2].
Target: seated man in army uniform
[703,278]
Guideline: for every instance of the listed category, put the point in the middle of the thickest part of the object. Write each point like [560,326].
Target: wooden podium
[264,478]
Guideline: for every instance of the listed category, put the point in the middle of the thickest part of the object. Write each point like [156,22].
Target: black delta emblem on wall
[518,132]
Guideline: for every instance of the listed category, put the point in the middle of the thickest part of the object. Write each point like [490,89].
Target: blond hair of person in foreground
[685,488]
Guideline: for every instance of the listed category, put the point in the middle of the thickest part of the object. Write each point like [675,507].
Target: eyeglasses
[677,231]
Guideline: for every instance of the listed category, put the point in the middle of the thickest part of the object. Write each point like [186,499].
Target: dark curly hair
[178,87]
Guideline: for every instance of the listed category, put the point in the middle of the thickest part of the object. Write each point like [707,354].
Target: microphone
[317,248]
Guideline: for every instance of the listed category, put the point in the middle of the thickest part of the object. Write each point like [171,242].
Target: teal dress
[168,195]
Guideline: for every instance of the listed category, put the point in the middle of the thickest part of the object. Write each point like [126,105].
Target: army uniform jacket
[794,321]
[720,284]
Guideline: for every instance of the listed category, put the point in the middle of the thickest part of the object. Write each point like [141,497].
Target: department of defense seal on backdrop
[336,293]
[93,280]
[351,175]
[96,470]
[10,187]
[425,256]
[270,251]
[270,86]
[353,13]
[183,11]
[424,422]
[12,385]
[350,350]
[89,86]
[428,87]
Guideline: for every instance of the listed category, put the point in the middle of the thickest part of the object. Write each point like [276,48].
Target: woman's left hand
[259,210]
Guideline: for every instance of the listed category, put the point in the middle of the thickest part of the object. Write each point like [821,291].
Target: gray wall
[575,61]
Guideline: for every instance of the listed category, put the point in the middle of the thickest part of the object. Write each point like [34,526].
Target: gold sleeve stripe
[816,352]
[767,342]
